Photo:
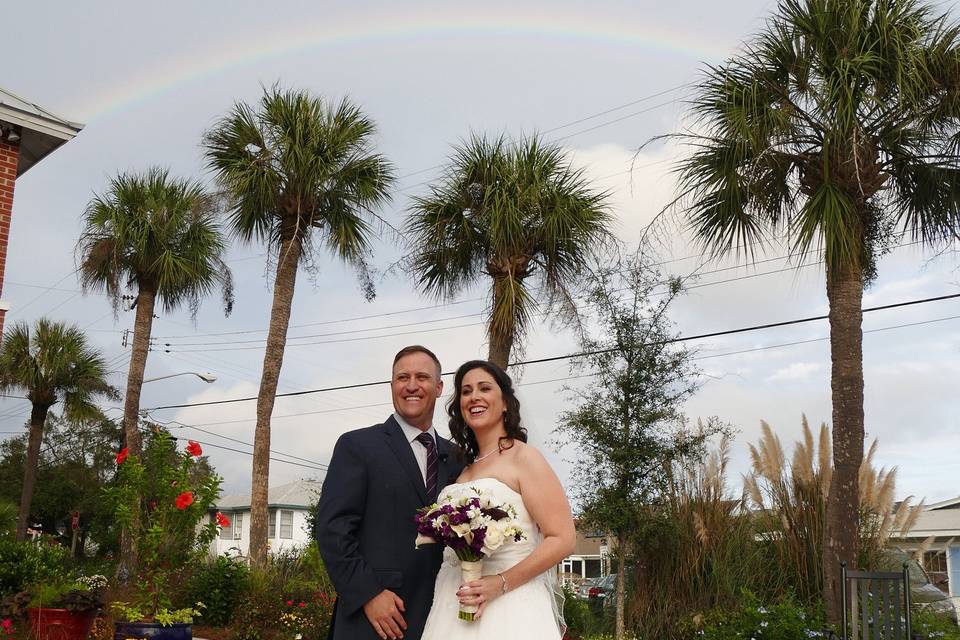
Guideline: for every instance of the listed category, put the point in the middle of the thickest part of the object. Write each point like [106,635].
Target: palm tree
[516,213]
[51,364]
[159,237]
[838,127]
[298,172]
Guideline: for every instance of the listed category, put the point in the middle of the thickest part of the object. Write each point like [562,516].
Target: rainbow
[409,25]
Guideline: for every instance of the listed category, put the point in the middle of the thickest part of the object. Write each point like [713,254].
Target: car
[604,589]
[583,591]
[923,593]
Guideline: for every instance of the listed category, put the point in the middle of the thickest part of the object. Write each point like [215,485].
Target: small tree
[52,363]
[629,429]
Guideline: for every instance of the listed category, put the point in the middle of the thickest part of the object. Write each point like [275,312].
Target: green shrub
[259,617]
[291,596]
[8,519]
[219,585]
[785,620]
[24,563]
[582,618]
[933,626]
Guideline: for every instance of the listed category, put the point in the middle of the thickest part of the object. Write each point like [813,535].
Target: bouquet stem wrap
[469,571]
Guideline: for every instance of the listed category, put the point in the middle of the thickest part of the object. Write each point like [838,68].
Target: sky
[601,78]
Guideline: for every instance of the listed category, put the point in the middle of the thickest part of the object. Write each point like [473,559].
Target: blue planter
[152,631]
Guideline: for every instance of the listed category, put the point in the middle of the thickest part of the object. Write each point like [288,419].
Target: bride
[516,596]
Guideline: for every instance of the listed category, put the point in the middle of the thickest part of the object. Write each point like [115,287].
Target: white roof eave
[62,130]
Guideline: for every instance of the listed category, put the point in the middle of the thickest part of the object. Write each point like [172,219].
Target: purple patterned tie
[427,441]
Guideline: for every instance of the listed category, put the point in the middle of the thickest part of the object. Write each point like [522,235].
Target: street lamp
[207,377]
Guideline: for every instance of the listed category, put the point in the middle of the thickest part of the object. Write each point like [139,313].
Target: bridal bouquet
[473,526]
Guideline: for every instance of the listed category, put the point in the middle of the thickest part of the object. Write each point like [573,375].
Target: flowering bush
[785,620]
[292,595]
[161,500]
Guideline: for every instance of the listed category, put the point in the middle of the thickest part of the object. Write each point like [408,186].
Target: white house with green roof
[289,506]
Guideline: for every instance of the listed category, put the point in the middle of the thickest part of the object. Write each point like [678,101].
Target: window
[272,525]
[286,525]
[237,524]
[226,533]
[935,561]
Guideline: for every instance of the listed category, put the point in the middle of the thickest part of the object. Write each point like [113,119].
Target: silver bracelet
[504,581]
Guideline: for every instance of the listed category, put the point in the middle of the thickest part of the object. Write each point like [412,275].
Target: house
[937,531]
[28,133]
[288,528]
[590,558]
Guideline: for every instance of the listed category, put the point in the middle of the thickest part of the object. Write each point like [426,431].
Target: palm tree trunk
[38,417]
[501,334]
[845,293]
[142,327]
[620,627]
[287,263]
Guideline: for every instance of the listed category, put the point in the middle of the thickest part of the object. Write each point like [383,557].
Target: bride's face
[481,400]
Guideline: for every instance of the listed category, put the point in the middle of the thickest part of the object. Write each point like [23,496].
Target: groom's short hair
[416,348]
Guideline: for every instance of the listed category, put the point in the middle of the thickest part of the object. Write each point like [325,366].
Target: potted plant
[163,501]
[63,609]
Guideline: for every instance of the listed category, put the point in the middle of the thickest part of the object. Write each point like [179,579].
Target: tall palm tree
[51,364]
[517,214]
[157,237]
[837,126]
[298,172]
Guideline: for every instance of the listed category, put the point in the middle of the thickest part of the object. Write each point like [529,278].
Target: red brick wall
[9,153]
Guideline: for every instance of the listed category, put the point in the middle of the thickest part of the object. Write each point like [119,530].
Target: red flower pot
[59,624]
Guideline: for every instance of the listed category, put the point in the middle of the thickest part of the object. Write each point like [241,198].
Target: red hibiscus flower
[184,500]
[289,603]
[122,455]
[303,604]
[193,448]
[222,520]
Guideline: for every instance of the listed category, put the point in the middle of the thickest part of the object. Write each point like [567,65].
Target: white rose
[493,539]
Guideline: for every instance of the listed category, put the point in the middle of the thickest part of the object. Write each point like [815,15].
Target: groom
[377,479]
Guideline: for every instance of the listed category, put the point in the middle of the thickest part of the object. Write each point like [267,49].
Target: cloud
[796,371]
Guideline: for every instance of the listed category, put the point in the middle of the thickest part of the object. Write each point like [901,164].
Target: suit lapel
[446,464]
[401,448]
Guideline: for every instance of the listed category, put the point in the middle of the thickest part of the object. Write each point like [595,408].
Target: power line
[319,465]
[566,378]
[701,336]
[250,453]
[480,313]
[571,123]
[555,140]
[231,345]
[479,299]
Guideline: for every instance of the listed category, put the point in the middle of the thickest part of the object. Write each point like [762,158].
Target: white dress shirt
[419,451]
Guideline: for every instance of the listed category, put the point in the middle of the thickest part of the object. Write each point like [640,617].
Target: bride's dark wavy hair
[462,434]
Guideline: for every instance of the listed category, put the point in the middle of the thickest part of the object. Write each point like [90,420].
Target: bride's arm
[544,498]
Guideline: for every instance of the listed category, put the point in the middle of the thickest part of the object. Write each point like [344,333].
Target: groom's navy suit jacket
[366,531]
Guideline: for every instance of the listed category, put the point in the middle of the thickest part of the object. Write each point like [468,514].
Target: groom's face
[416,386]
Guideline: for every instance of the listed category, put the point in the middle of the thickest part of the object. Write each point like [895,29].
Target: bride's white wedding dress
[527,611]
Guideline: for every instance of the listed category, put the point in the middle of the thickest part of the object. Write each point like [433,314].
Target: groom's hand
[385,613]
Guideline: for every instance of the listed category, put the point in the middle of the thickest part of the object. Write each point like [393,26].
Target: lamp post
[207,377]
